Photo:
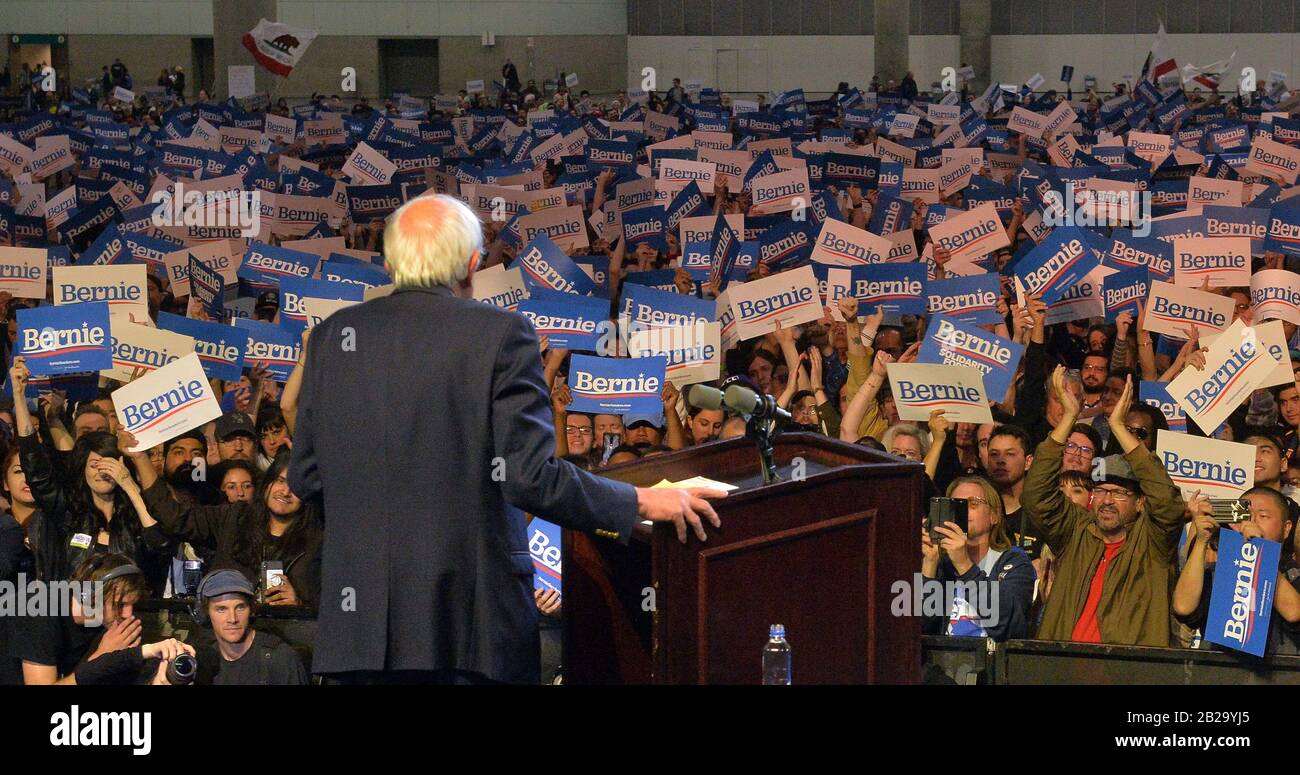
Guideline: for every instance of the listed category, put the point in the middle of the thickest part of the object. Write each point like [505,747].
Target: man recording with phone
[1270,518]
[1115,561]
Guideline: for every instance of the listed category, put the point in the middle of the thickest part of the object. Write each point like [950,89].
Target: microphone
[738,399]
[745,401]
[705,397]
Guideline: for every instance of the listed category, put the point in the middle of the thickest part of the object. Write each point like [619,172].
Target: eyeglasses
[577,430]
[909,454]
[978,501]
[1079,449]
[1117,495]
[1141,433]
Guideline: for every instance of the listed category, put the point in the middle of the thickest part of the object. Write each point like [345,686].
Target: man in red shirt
[1116,561]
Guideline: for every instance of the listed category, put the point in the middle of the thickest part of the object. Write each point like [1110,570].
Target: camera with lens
[182,669]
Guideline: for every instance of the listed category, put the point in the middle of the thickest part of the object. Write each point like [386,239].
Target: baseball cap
[630,421]
[232,423]
[1114,469]
[224,582]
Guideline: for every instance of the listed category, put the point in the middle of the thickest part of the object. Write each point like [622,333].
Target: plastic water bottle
[776,658]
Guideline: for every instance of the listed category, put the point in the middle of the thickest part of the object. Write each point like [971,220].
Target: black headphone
[199,611]
[85,593]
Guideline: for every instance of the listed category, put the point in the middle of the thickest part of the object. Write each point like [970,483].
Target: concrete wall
[752,63]
[88,53]
[599,60]
[330,17]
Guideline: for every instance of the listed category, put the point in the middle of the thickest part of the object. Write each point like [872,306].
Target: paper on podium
[695,481]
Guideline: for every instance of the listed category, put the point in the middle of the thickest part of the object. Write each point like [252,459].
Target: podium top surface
[800,457]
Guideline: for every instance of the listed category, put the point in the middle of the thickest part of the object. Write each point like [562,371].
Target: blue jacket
[1015,578]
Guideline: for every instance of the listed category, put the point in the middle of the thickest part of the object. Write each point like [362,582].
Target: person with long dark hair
[276,525]
[93,508]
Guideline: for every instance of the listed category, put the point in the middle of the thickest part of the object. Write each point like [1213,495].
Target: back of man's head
[430,241]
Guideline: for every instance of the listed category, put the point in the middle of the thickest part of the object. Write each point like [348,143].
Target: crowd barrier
[979,661]
[963,661]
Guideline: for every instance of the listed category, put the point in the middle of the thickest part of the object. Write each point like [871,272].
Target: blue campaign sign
[1241,600]
[897,288]
[264,265]
[570,322]
[646,225]
[725,249]
[544,544]
[1125,291]
[891,214]
[697,260]
[150,250]
[786,246]
[1127,251]
[661,279]
[617,385]
[1284,228]
[611,154]
[545,265]
[272,346]
[689,202]
[890,179]
[1062,259]
[958,344]
[650,306]
[207,286]
[108,248]
[373,203]
[293,314]
[65,339]
[844,170]
[1156,395]
[353,271]
[220,348]
[971,300]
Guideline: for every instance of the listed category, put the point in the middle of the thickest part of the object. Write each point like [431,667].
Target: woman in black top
[93,508]
[16,556]
[276,525]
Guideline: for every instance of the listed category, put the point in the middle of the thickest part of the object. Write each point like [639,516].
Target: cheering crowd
[1074,523]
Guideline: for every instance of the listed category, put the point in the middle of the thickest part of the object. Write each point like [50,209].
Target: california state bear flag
[278,47]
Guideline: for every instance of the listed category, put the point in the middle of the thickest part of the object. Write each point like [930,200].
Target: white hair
[906,429]
[429,241]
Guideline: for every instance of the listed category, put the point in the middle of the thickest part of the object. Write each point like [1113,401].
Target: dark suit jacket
[425,441]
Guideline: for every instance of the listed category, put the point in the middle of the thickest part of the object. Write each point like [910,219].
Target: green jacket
[1134,608]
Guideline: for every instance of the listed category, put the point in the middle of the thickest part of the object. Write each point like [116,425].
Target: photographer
[984,564]
[248,657]
[1270,519]
[98,642]
[1114,563]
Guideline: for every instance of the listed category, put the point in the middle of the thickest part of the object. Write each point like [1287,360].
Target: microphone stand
[762,430]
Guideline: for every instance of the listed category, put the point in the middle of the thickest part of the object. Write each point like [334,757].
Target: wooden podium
[817,551]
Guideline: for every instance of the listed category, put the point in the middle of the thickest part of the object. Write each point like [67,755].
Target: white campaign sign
[166,403]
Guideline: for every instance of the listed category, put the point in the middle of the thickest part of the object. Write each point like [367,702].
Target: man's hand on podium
[682,507]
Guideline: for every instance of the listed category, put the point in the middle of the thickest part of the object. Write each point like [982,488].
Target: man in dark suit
[425,425]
